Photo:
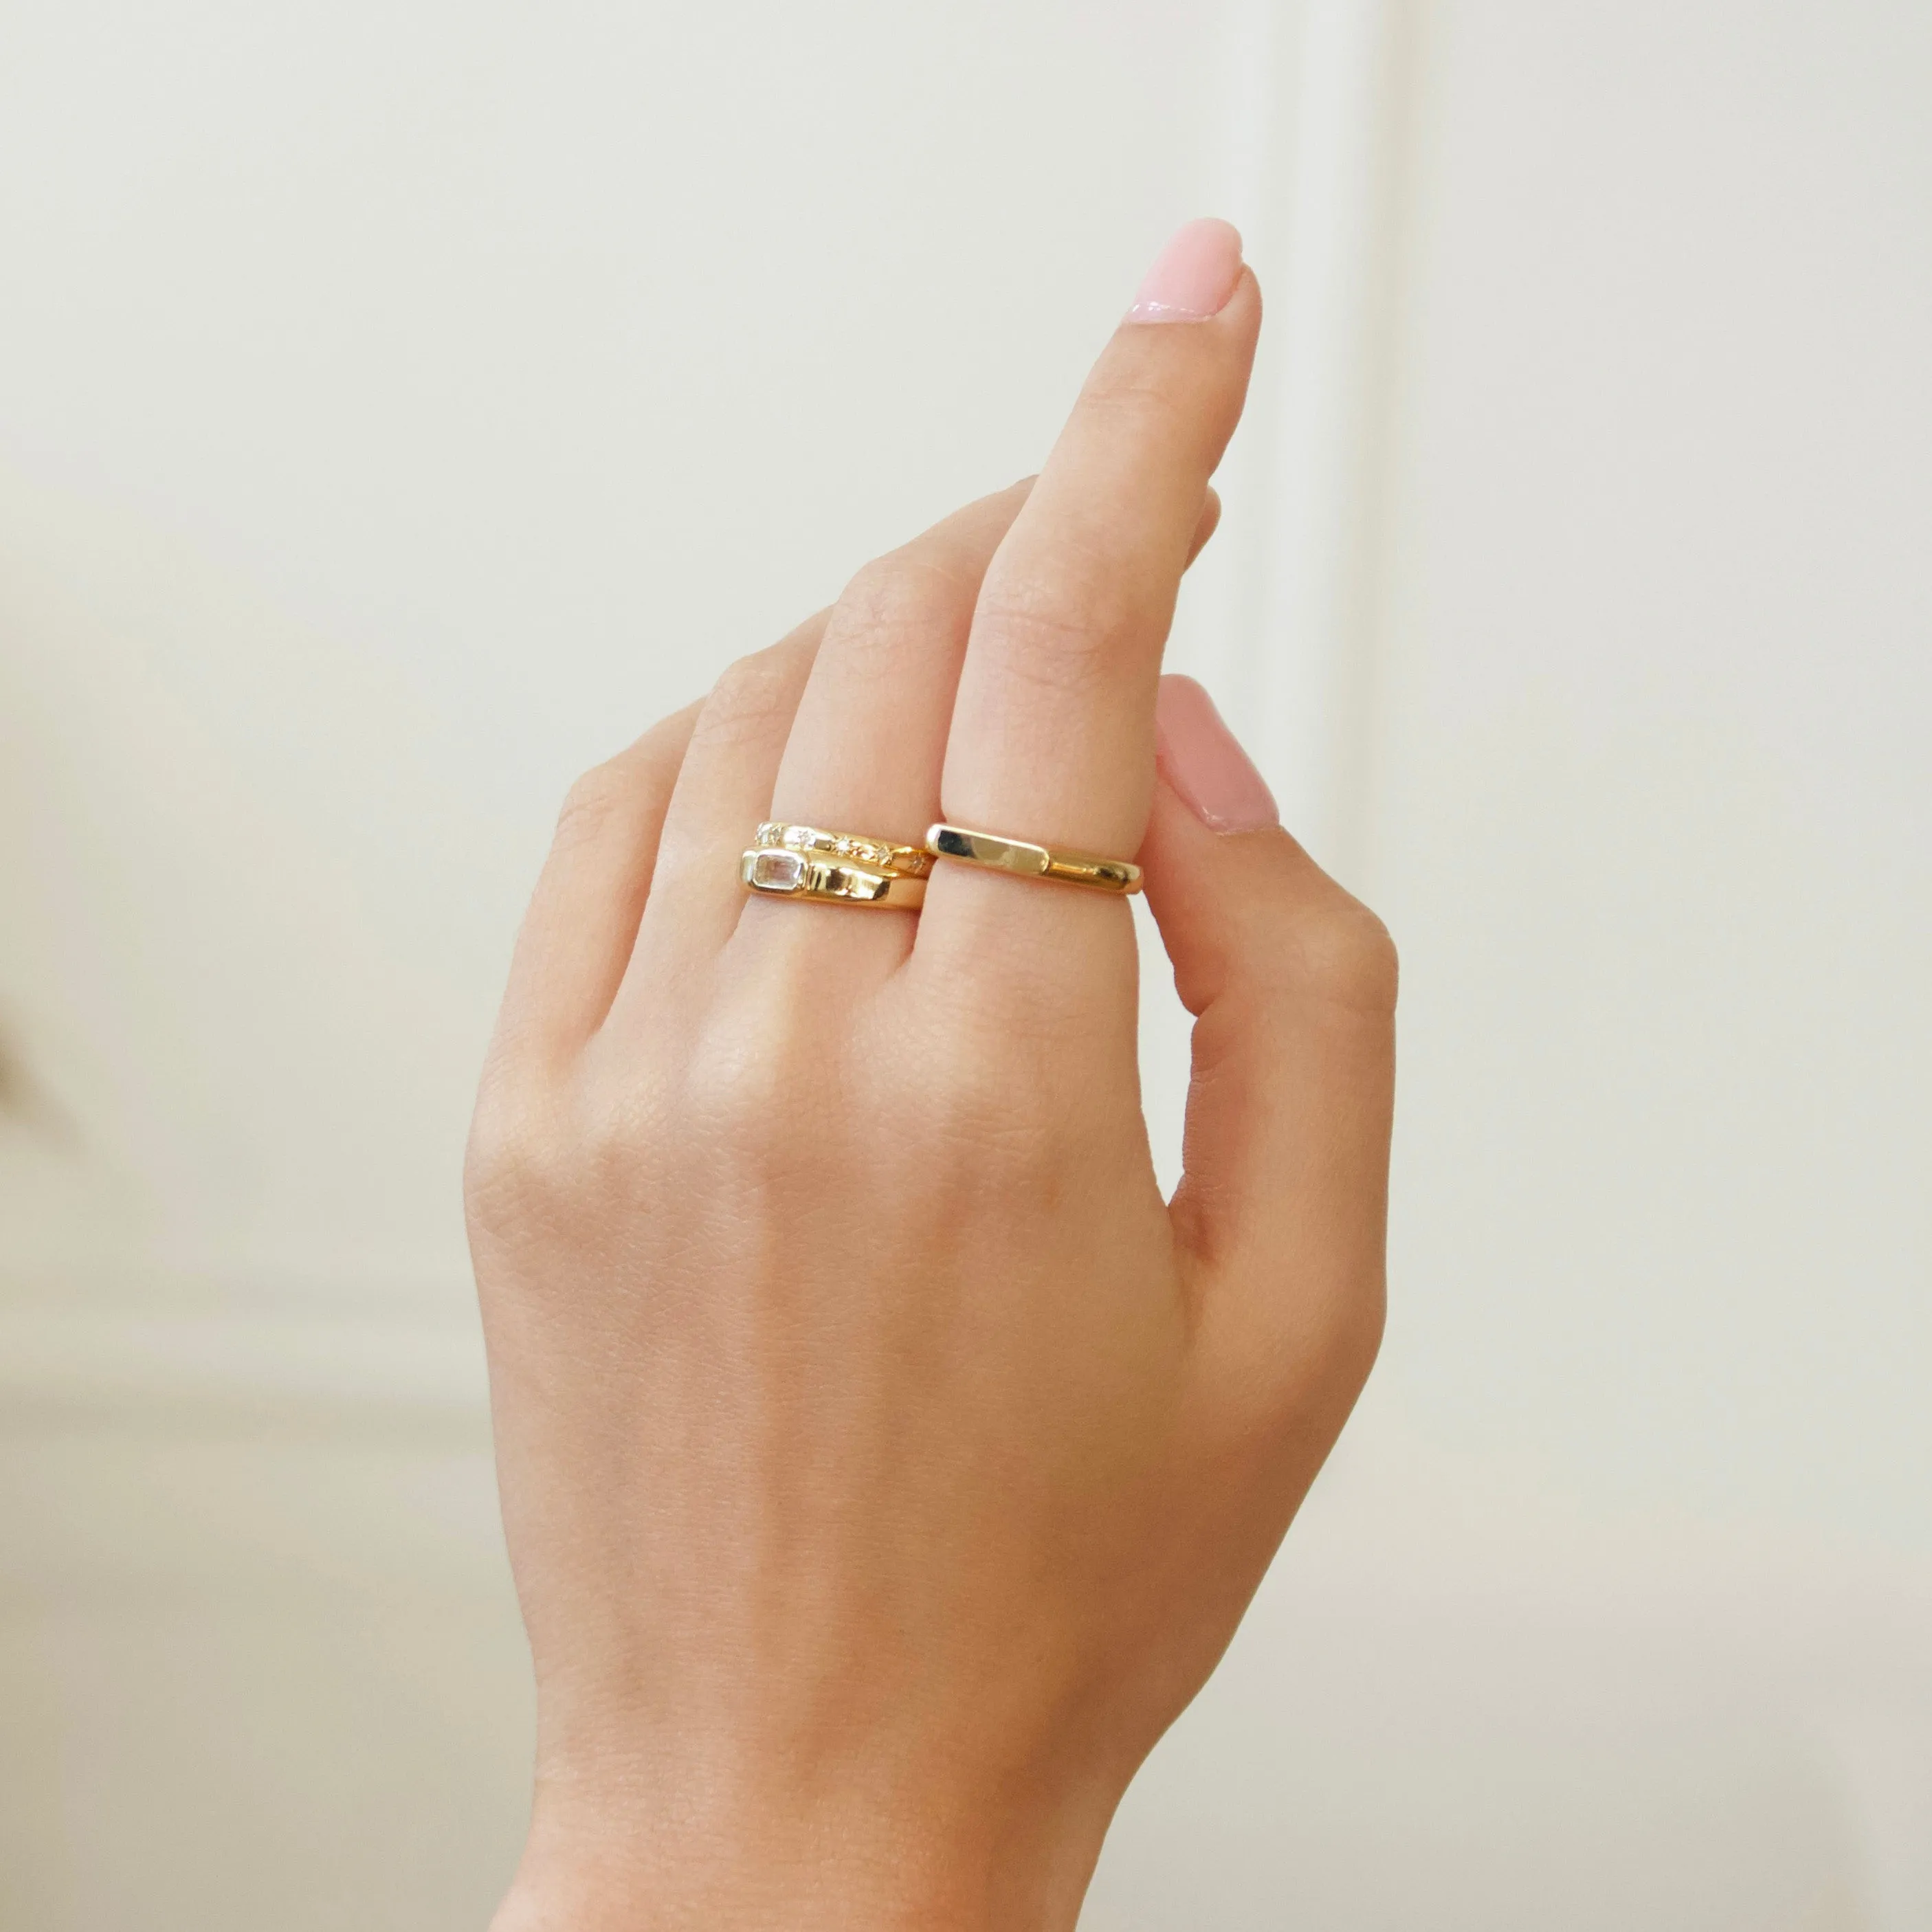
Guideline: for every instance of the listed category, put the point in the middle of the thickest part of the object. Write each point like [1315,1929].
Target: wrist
[812,1871]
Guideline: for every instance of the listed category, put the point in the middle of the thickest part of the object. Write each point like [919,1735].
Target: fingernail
[1198,757]
[1194,276]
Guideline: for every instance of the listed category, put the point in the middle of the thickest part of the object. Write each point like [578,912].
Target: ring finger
[865,745]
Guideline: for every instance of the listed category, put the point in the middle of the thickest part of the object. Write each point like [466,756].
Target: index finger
[1052,732]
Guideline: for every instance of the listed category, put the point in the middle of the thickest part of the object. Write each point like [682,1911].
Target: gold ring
[881,853]
[1032,862]
[785,873]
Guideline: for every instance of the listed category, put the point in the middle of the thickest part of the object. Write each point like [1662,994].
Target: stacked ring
[913,861]
[801,862]
[804,861]
[1028,861]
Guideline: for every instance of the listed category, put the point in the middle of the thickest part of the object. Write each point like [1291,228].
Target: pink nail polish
[1198,757]
[1193,276]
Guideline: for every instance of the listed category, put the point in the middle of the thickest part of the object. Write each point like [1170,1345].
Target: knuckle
[1135,401]
[897,596]
[1010,1109]
[975,1156]
[543,1167]
[598,796]
[763,1077]
[754,698]
[1065,634]
[1342,954]
[640,774]
[513,1165]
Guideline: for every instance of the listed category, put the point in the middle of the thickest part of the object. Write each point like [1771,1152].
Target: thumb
[1280,1215]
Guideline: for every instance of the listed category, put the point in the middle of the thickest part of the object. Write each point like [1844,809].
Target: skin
[885,1463]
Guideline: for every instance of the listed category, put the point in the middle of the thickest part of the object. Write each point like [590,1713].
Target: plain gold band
[780,871]
[882,853]
[1026,861]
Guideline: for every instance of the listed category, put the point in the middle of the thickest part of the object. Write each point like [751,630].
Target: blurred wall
[400,408]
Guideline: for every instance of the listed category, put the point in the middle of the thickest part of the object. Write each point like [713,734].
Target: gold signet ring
[786,873]
[1032,862]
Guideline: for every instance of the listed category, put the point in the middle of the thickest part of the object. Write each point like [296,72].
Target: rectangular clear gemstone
[774,870]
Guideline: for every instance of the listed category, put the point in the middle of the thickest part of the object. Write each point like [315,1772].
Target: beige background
[400,407]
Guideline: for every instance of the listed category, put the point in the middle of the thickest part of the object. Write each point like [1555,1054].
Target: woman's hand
[885,1463]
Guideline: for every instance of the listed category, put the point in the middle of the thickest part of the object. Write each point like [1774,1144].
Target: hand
[885,1463]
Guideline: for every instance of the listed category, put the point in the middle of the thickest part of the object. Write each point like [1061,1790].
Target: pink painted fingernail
[1198,757]
[1193,277]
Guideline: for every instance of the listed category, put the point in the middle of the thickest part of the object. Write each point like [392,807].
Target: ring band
[784,873]
[1026,861]
[911,860]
